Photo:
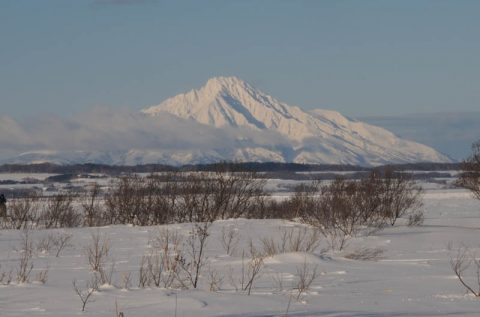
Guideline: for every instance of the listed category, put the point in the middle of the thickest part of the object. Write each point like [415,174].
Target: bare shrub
[269,246]
[346,208]
[98,251]
[106,275]
[5,277]
[183,197]
[144,277]
[58,212]
[278,280]
[25,265]
[126,280]
[400,194]
[215,280]
[366,254]
[24,212]
[461,263]
[230,240]
[306,275]
[162,265]
[194,247]
[92,209]
[145,201]
[124,201]
[167,244]
[235,193]
[250,271]
[470,176]
[292,240]
[57,242]
[151,269]
[60,242]
[45,244]
[416,218]
[334,213]
[83,293]
[254,267]
[42,276]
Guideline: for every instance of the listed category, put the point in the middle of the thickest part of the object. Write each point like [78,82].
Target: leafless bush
[215,280]
[292,240]
[24,212]
[25,265]
[85,293]
[254,267]
[60,242]
[143,201]
[98,251]
[162,265]
[416,218]
[400,194]
[42,276]
[45,244]
[182,197]
[365,254]
[58,212]
[345,208]
[194,248]
[126,280]
[306,275]
[151,270]
[230,240]
[279,280]
[269,246]
[92,209]
[167,244]
[461,263]
[333,212]
[250,271]
[470,176]
[144,277]
[106,275]
[5,277]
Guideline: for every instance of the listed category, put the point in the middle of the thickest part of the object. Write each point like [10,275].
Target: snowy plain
[411,276]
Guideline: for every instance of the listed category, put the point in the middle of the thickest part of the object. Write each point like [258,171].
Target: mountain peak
[223,101]
[321,136]
[223,84]
[225,81]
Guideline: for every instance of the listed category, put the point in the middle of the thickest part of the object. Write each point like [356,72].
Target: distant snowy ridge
[226,120]
[319,136]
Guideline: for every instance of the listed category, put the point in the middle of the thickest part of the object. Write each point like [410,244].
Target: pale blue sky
[358,57]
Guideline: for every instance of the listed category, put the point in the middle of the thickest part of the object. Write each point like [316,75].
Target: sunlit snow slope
[319,136]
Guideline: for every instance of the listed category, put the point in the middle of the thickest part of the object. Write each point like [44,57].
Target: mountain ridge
[232,102]
[225,120]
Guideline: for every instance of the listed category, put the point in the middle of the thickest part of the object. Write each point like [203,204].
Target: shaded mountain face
[226,120]
[319,136]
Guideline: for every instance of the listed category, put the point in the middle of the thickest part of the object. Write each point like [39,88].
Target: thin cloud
[103,131]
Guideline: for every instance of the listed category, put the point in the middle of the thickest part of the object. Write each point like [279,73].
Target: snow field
[409,276]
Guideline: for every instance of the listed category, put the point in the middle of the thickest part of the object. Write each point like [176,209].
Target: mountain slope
[226,120]
[321,136]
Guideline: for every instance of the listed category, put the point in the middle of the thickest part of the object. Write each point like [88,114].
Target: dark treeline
[224,166]
[339,209]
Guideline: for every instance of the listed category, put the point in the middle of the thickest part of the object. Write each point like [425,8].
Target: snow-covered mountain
[226,120]
[319,136]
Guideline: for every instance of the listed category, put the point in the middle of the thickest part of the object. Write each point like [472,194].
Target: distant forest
[224,166]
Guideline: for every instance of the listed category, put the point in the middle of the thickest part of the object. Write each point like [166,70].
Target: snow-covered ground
[411,276]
